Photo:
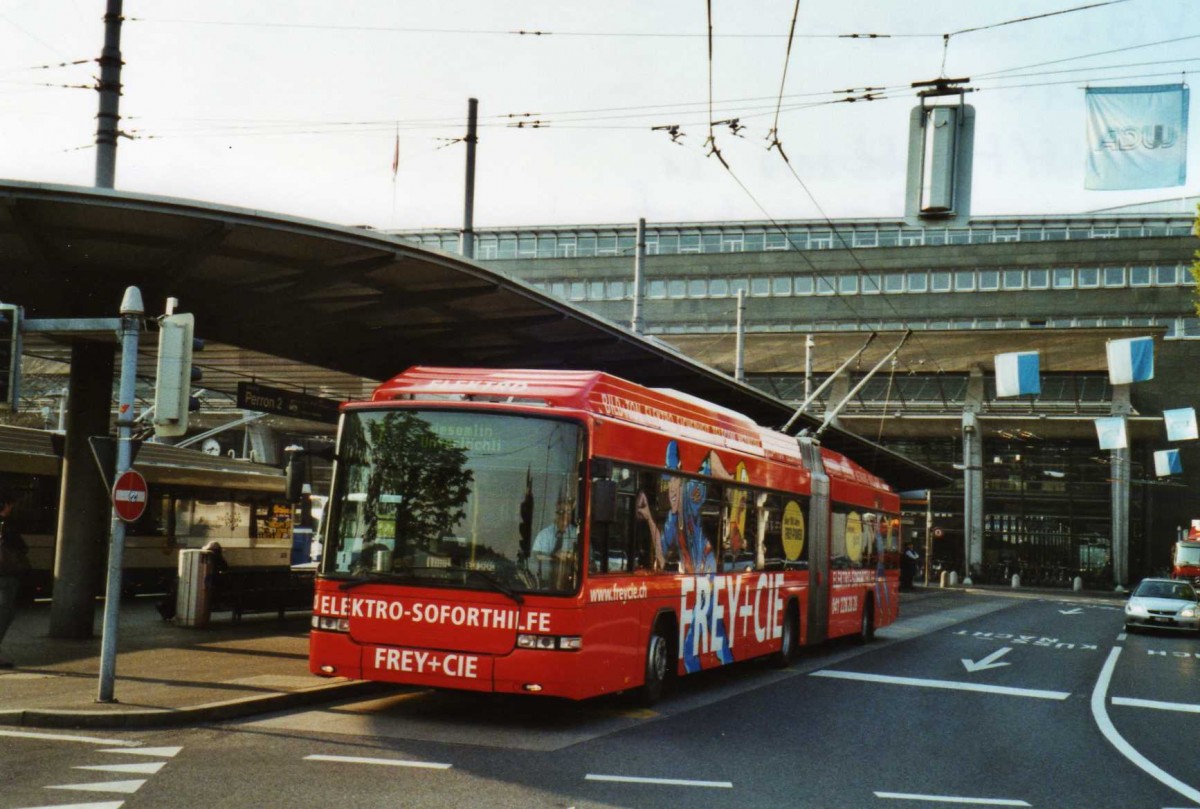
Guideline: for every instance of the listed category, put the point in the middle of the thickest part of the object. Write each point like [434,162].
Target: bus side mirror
[604,501]
[296,476]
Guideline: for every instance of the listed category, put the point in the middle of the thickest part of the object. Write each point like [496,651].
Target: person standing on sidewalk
[14,564]
[908,567]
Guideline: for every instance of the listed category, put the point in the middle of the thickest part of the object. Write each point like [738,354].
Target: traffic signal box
[10,354]
[173,380]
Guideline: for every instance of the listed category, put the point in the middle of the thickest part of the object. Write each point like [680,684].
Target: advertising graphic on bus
[572,534]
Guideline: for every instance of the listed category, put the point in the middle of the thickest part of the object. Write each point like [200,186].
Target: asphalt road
[1000,702]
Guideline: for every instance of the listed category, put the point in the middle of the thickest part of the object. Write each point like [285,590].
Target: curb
[210,712]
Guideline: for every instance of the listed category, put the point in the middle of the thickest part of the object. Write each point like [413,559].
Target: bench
[243,590]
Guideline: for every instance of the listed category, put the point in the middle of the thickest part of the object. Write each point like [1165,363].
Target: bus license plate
[426,665]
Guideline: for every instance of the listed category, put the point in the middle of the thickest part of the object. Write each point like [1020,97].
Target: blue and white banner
[1111,432]
[1136,137]
[1166,463]
[1018,374]
[1130,360]
[1181,424]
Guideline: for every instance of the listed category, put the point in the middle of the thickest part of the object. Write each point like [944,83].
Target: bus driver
[553,545]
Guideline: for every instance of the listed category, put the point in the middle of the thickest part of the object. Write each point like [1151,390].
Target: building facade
[1062,285]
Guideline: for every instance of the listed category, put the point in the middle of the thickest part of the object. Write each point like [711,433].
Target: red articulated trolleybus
[572,534]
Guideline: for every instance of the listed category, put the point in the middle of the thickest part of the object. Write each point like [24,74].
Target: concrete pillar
[973,473]
[84,507]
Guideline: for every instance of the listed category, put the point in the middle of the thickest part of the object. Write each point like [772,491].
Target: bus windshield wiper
[497,585]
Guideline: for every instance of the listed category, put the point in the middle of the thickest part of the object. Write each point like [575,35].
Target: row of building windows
[916,281]
[946,389]
[582,243]
[1177,328]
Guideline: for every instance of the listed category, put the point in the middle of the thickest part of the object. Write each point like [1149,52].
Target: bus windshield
[456,498]
[1187,555]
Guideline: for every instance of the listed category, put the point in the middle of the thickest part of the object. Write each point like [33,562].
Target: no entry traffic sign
[129,495]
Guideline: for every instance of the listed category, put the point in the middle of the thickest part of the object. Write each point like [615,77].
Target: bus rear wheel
[866,629]
[658,656]
[789,642]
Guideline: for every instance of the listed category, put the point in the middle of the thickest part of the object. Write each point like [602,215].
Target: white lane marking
[100,804]
[387,762]
[1121,637]
[904,796]
[141,768]
[989,662]
[671,782]
[947,684]
[62,737]
[1100,714]
[156,752]
[126,787]
[1130,702]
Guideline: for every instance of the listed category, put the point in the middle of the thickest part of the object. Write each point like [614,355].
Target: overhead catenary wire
[532,33]
[1029,18]
[777,145]
[787,57]
[1108,52]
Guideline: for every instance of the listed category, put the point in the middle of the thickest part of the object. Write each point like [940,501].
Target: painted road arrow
[988,662]
[1076,611]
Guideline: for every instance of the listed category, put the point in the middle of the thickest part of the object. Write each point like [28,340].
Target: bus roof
[680,415]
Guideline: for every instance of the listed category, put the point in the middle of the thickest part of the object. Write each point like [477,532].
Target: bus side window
[611,551]
[737,530]
[761,521]
[839,558]
[772,537]
[891,541]
[872,540]
[654,492]
[711,518]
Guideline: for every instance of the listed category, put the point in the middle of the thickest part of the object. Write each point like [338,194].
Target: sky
[296,107]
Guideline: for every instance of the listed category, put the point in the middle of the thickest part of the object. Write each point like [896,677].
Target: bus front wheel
[657,666]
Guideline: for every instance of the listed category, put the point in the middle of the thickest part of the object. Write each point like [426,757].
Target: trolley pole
[132,311]
[108,118]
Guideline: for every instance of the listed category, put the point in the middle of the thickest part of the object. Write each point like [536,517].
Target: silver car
[1163,604]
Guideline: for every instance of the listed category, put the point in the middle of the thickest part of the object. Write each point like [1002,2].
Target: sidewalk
[165,675]
[169,675]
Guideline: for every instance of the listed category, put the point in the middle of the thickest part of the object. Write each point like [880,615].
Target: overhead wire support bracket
[830,415]
[942,87]
[812,397]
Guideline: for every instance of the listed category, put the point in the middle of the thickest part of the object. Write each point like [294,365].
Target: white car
[1163,604]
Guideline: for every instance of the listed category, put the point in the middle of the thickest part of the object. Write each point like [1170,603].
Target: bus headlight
[562,643]
[329,623]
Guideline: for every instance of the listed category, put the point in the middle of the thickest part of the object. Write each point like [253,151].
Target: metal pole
[1119,460]
[108,118]
[808,347]
[638,321]
[928,531]
[466,244]
[131,323]
[739,362]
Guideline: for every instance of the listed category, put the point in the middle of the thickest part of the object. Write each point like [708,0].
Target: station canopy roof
[325,309]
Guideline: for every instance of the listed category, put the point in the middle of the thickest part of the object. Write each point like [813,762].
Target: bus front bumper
[521,671]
